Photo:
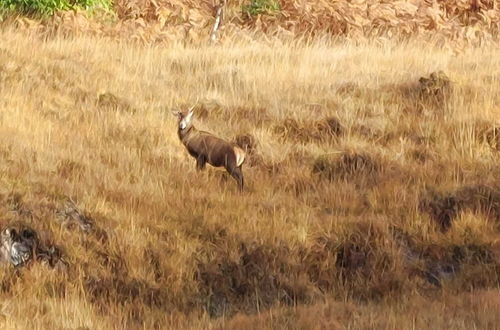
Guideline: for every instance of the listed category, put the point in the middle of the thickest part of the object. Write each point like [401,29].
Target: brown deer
[207,148]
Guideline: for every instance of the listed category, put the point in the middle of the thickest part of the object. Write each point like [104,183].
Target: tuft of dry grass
[352,162]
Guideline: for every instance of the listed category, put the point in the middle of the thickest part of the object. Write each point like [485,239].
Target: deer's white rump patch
[240,156]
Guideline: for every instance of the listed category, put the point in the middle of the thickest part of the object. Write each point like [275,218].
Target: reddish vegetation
[462,22]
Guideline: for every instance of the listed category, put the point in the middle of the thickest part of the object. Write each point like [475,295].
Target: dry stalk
[218,19]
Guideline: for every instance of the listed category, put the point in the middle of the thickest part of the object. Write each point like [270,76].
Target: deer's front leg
[200,162]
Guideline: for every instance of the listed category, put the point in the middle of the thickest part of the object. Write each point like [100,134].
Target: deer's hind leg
[237,174]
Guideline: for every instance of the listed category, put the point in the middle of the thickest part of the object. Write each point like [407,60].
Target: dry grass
[355,162]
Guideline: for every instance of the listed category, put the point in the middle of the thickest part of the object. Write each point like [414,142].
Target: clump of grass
[360,247]
[325,129]
[252,276]
[444,207]
[253,116]
[260,7]
[436,85]
[110,101]
[346,165]
[488,132]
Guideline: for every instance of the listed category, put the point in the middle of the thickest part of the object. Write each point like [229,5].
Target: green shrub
[49,7]
[259,7]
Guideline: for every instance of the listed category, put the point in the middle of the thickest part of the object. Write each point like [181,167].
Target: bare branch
[218,19]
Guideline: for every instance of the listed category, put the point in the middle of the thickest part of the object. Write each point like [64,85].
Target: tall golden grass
[370,191]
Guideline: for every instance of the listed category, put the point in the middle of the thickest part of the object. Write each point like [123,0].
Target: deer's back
[217,151]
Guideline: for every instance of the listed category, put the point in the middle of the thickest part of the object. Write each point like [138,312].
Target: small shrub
[438,84]
[259,7]
[426,95]
[49,7]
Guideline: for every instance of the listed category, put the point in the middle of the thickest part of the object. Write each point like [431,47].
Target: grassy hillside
[372,199]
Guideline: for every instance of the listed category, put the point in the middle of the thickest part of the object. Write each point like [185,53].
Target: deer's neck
[186,134]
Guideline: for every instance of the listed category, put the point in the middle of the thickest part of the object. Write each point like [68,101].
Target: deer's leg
[237,174]
[200,162]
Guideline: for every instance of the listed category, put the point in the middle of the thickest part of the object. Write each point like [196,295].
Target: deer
[208,148]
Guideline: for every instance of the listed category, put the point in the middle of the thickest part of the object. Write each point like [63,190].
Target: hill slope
[373,185]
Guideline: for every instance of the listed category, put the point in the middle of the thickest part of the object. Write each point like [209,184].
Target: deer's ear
[176,113]
[189,116]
